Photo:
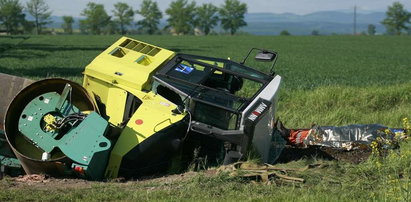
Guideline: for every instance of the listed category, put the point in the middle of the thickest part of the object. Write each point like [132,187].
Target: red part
[79,169]
[298,136]
[139,121]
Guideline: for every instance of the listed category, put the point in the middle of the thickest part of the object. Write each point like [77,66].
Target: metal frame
[193,59]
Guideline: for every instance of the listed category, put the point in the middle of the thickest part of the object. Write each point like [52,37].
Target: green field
[327,80]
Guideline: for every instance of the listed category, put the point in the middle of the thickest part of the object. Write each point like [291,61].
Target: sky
[74,7]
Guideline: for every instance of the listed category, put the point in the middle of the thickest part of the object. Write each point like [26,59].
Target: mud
[45,182]
[291,153]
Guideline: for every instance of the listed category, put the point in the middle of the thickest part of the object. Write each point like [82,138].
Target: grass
[305,62]
[376,179]
[342,105]
[327,80]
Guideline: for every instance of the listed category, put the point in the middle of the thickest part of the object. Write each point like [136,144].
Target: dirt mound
[291,153]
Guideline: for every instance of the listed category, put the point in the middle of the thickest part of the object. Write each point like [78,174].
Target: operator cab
[218,94]
[215,90]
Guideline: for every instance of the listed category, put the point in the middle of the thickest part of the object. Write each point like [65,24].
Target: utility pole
[355,21]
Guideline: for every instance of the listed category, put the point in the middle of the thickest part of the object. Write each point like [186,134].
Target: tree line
[184,17]
[13,19]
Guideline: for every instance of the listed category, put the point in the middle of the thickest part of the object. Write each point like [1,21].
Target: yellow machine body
[125,69]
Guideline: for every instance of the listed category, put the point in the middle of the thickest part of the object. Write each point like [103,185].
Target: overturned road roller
[144,110]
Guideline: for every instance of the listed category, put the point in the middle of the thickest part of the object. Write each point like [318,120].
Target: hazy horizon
[301,7]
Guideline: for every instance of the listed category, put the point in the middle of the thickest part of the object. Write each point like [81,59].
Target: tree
[371,29]
[181,16]
[151,16]
[41,13]
[11,15]
[83,27]
[285,33]
[68,24]
[111,28]
[28,26]
[232,15]
[315,33]
[206,17]
[96,18]
[396,19]
[123,14]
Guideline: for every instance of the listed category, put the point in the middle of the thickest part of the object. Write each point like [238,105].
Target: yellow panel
[115,105]
[96,87]
[155,114]
[111,96]
[128,62]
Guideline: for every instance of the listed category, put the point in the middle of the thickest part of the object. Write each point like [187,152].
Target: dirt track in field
[45,182]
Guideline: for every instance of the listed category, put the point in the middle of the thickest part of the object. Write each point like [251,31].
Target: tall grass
[342,105]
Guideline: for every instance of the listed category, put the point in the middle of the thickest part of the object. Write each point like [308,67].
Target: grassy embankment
[331,80]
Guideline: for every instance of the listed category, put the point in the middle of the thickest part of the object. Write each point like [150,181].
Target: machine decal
[257,112]
[184,69]
[259,109]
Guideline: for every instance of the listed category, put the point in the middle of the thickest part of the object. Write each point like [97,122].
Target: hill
[326,22]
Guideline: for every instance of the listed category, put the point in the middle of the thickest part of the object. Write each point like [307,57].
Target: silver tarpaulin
[346,136]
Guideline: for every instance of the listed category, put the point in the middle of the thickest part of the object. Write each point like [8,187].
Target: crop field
[326,80]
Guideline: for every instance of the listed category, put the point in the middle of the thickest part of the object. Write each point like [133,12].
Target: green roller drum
[53,128]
